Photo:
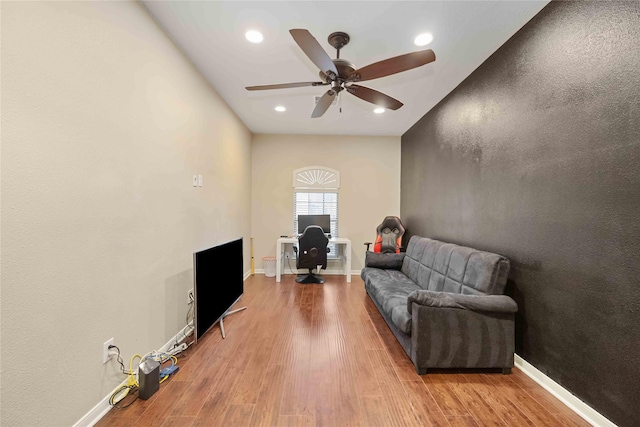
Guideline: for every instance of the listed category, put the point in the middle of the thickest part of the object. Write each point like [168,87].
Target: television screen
[323,221]
[218,283]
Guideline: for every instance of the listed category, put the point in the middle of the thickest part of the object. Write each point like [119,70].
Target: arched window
[315,192]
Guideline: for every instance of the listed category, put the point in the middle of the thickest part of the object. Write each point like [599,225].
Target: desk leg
[278,261]
[347,264]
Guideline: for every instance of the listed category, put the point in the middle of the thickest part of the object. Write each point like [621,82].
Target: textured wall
[369,170]
[104,122]
[536,156]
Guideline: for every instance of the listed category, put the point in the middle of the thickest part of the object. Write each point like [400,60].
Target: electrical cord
[119,359]
[133,385]
[162,359]
[116,395]
[190,317]
[295,250]
[132,382]
[289,263]
[131,388]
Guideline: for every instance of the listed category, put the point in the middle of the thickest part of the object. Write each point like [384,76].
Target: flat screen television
[218,283]
[323,221]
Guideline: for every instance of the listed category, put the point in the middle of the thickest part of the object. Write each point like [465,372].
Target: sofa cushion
[386,261]
[391,288]
[445,267]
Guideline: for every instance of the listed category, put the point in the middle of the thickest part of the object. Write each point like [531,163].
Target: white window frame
[323,180]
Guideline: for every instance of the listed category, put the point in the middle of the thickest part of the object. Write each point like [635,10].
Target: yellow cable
[132,380]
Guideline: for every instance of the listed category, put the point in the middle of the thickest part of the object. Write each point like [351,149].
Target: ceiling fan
[341,74]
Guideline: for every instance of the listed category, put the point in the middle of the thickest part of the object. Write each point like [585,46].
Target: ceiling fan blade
[374,97]
[314,51]
[286,85]
[323,104]
[392,66]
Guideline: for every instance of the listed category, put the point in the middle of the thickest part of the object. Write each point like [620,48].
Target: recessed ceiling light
[379,110]
[423,39]
[254,36]
[280,109]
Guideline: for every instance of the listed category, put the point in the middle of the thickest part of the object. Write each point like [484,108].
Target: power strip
[176,350]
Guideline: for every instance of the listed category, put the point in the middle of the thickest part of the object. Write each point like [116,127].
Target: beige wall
[370,185]
[103,124]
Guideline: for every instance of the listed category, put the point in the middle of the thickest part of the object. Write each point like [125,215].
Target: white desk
[346,254]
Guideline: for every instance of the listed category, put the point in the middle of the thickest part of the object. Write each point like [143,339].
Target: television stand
[227,314]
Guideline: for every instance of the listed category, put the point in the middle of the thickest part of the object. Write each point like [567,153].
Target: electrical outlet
[105,350]
[190,297]
[287,255]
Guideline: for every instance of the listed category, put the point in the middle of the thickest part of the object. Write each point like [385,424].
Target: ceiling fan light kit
[341,74]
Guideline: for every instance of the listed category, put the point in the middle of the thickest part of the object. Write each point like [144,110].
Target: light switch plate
[199,180]
[105,350]
[195,180]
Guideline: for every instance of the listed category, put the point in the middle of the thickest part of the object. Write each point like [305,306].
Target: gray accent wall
[536,156]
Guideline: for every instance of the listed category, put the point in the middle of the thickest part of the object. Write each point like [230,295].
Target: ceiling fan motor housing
[344,67]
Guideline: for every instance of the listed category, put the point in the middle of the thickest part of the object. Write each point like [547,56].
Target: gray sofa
[444,304]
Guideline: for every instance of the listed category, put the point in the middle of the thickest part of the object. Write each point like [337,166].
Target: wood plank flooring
[321,355]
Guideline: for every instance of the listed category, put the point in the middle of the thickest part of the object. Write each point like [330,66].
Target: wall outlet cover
[105,350]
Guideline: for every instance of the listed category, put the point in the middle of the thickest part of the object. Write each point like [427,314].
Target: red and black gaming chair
[389,238]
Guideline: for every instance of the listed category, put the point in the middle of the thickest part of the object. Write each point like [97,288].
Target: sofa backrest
[445,267]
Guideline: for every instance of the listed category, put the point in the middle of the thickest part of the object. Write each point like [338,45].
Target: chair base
[310,278]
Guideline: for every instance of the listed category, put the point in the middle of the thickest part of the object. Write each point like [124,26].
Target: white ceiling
[211,34]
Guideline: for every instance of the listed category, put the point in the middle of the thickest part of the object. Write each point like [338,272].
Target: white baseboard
[565,396]
[96,413]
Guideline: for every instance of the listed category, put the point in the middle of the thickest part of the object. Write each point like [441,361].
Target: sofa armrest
[445,337]
[486,303]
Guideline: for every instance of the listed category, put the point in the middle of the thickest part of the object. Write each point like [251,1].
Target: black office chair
[312,253]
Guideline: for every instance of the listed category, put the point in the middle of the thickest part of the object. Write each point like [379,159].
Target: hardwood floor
[307,355]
